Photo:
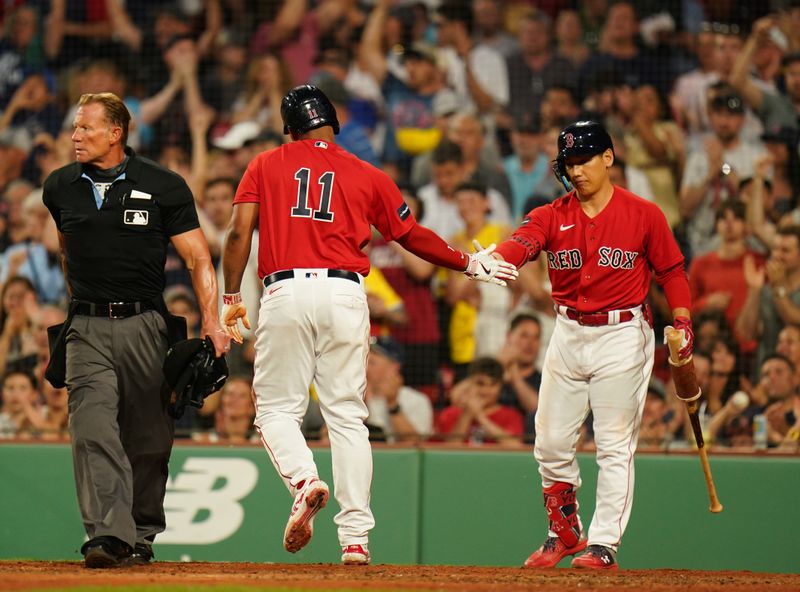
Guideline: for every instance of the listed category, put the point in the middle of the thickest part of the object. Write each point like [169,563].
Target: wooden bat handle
[715,505]
[674,340]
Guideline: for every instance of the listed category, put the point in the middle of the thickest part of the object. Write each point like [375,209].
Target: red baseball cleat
[308,501]
[551,552]
[355,555]
[596,557]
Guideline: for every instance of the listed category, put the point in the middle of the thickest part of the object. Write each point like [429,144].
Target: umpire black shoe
[105,551]
[142,555]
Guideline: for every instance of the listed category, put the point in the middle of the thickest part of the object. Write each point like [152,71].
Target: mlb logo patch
[136,217]
[320,144]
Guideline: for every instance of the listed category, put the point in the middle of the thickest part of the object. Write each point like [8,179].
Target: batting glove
[485,268]
[683,324]
[234,309]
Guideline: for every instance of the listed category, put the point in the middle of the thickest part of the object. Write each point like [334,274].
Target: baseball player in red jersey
[314,203]
[602,244]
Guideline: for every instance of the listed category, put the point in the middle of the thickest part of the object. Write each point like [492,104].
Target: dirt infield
[26,575]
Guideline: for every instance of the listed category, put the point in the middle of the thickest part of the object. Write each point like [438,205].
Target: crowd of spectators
[461,103]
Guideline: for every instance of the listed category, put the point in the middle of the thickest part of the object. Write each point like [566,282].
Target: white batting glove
[234,309]
[485,268]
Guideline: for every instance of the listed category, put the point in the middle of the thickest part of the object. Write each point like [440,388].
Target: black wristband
[394,410]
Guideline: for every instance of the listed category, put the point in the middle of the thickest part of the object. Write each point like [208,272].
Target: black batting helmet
[305,108]
[582,138]
[193,372]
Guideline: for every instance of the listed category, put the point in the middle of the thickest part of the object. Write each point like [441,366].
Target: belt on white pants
[310,273]
[598,319]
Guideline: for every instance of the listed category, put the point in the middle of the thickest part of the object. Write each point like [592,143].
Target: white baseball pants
[605,369]
[313,328]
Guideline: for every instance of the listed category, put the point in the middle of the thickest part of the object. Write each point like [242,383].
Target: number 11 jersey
[316,204]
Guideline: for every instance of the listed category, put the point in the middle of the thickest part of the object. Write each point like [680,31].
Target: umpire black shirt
[116,253]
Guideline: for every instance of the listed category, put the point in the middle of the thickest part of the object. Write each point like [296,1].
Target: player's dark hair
[523,317]
[447,151]
[737,208]
[486,367]
[471,185]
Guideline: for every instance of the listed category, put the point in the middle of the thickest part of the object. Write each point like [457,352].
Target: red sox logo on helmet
[569,140]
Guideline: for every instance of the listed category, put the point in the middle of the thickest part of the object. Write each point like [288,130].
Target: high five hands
[485,268]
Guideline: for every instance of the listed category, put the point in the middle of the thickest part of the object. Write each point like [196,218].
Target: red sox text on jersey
[609,257]
[601,263]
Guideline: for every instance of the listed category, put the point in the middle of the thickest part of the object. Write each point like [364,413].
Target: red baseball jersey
[602,263]
[316,203]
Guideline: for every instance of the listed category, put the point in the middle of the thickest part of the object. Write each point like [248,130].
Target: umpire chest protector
[117,252]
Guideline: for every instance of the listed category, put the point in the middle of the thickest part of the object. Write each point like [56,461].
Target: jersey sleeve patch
[403,211]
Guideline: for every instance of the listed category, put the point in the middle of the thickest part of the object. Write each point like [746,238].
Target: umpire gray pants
[121,431]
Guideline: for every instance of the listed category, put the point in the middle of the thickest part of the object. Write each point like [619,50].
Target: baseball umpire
[115,213]
[602,245]
[314,203]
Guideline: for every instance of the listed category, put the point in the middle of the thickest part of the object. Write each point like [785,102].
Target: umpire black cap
[193,372]
[305,108]
[582,138]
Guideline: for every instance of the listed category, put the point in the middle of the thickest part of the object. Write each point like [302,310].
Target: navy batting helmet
[305,108]
[194,372]
[582,138]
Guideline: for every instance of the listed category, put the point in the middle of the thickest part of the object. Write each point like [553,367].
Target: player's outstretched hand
[485,268]
[232,311]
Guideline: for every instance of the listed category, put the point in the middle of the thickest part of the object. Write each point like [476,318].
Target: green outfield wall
[432,506]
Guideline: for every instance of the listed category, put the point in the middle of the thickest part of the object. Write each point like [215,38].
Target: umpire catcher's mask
[193,372]
[305,108]
[582,138]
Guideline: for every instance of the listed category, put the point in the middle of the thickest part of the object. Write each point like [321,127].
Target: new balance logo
[203,501]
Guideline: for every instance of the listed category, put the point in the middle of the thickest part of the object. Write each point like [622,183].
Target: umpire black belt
[111,310]
[288,274]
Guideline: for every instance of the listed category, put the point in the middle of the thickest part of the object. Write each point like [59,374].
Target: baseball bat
[686,387]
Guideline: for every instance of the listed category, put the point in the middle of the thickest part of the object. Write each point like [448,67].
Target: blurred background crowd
[461,103]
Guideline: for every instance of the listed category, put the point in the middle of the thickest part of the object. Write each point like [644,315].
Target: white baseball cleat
[355,555]
[308,501]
